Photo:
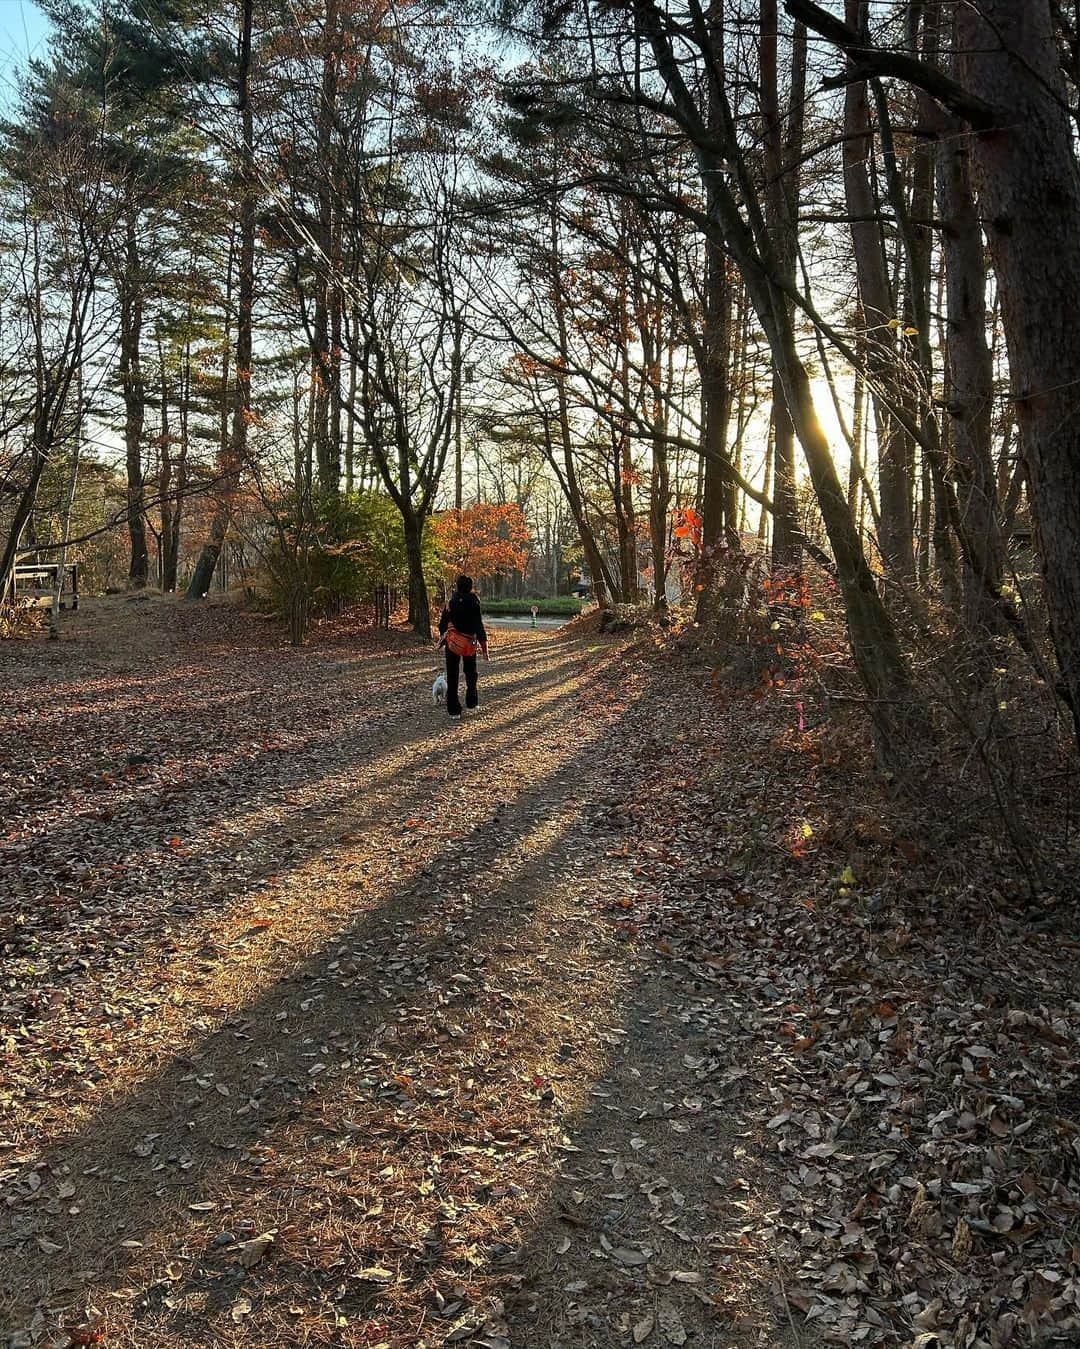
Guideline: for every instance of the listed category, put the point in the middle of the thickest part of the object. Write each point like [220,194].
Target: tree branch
[869,60]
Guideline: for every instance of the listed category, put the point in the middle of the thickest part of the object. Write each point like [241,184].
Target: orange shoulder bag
[460,643]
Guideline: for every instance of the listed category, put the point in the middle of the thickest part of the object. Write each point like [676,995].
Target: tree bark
[603,583]
[245,306]
[69,506]
[781,194]
[924,30]
[623,466]
[716,526]
[878,306]
[131,383]
[915,375]
[419,601]
[326,324]
[875,643]
[459,467]
[858,434]
[969,383]
[652,344]
[350,429]
[715,399]
[166,543]
[1029,196]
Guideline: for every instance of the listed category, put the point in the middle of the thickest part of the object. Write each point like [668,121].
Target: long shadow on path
[383,767]
[184,1133]
[659,1219]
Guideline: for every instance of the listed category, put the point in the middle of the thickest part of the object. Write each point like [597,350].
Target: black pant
[453,697]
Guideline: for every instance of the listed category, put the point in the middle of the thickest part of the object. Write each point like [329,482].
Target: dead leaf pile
[906,1043]
[688,1036]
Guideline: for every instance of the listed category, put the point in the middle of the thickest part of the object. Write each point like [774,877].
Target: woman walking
[463,635]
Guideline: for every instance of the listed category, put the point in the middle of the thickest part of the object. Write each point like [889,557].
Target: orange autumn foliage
[483,540]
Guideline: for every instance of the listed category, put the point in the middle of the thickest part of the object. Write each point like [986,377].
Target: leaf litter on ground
[867,1053]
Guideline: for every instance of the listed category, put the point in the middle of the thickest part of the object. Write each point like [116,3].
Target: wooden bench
[40,582]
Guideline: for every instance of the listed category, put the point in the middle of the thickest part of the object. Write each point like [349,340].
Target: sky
[23,33]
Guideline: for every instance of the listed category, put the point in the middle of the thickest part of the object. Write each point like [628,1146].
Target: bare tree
[57,215]
[1010,91]
[377,260]
[234,451]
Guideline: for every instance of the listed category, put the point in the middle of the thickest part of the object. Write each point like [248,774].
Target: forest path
[321,1029]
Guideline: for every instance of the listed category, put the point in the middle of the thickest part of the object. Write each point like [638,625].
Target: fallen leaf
[671,1326]
[375,1274]
[253,1250]
[643,1329]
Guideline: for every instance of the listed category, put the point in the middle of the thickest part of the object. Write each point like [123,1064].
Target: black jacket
[464,612]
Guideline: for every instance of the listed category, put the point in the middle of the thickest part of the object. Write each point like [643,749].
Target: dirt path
[319,1026]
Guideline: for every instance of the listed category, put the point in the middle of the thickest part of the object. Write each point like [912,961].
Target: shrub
[20,619]
[354,544]
[556,606]
[754,616]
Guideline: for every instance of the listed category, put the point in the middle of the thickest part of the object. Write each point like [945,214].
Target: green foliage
[356,544]
[553,606]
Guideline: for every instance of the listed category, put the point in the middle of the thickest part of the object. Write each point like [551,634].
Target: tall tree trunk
[916,389]
[623,465]
[602,581]
[309,428]
[715,400]
[857,437]
[131,382]
[659,503]
[68,507]
[172,555]
[969,382]
[326,322]
[245,305]
[320,341]
[350,428]
[877,303]
[783,147]
[298,435]
[875,643]
[419,602]
[459,467]
[652,340]
[334,431]
[745,402]
[766,487]
[165,474]
[918,246]
[1029,196]
[716,527]
[785,550]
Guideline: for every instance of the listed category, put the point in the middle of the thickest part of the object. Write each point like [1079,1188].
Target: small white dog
[438,690]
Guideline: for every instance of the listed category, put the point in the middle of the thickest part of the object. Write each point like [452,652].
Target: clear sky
[23,33]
